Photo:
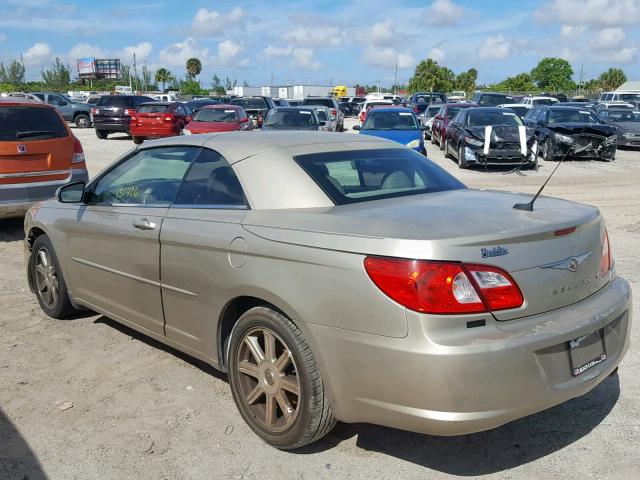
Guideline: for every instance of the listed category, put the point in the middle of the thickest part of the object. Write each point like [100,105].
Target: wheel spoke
[248,368]
[41,283]
[290,384]
[255,394]
[283,361]
[41,269]
[285,405]
[270,410]
[44,260]
[54,293]
[269,347]
[256,350]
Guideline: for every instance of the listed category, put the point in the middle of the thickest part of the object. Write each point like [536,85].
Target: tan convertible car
[339,277]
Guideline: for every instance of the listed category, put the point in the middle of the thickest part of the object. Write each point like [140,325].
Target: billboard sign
[86,66]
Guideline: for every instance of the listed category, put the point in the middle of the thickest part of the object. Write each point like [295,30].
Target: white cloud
[271,51]
[572,30]
[383,34]
[38,53]
[608,38]
[314,36]
[178,53]
[84,49]
[210,23]
[436,54]
[495,48]
[590,12]
[387,58]
[443,12]
[228,52]
[142,51]
[304,58]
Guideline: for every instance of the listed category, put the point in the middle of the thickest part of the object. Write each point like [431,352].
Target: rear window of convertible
[361,175]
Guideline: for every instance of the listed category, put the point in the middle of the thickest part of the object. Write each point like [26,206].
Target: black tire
[432,138]
[314,414]
[447,154]
[462,159]
[441,142]
[102,134]
[534,164]
[137,140]
[62,307]
[82,120]
[547,151]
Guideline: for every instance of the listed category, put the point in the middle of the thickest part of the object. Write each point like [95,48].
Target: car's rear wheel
[432,138]
[275,381]
[47,278]
[462,159]
[547,151]
[441,141]
[82,121]
[102,134]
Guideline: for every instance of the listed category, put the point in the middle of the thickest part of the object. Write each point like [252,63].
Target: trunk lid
[462,225]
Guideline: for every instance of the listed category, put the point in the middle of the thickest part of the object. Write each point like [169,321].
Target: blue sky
[343,42]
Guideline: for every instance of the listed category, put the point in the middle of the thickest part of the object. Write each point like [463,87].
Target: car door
[453,131]
[113,239]
[203,250]
[61,105]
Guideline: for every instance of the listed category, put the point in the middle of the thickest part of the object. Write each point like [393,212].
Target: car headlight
[473,141]
[562,138]
[611,140]
[629,135]
[414,144]
[186,131]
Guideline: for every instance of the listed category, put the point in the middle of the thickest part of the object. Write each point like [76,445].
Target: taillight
[93,111]
[334,112]
[415,109]
[129,111]
[134,119]
[78,152]
[168,118]
[605,258]
[444,288]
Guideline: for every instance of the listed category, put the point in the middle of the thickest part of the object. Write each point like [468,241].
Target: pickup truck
[78,113]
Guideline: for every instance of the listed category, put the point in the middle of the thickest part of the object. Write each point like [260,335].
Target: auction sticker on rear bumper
[586,352]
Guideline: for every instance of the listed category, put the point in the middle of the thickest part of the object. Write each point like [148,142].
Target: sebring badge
[571,263]
[494,252]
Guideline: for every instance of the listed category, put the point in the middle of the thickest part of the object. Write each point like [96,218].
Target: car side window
[149,177]
[181,110]
[56,100]
[211,182]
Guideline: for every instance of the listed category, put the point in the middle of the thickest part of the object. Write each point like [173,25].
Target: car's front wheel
[547,151]
[137,140]
[48,280]
[441,141]
[462,159]
[275,381]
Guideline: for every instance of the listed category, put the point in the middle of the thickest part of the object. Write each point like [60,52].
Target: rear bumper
[112,125]
[445,382]
[152,132]
[15,199]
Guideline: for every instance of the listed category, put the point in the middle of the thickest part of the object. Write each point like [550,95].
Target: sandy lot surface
[88,399]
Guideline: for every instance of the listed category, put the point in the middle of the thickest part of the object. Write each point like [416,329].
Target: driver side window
[149,177]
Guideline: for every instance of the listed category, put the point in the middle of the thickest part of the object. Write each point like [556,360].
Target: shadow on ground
[11,229]
[511,445]
[17,460]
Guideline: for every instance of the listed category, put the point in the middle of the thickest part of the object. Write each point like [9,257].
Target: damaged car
[627,122]
[571,131]
[490,136]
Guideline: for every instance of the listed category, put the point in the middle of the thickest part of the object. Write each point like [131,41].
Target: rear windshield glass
[431,111]
[479,119]
[629,96]
[362,175]
[216,115]
[251,103]
[326,102]
[492,100]
[386,120]
[153,108]
[571,116]
[290,118]
[545,101]
[115,101]
[24,124]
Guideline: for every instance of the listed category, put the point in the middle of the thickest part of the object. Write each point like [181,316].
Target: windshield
[624,116]
[493,118]
[253,103]
[492,100]
[290,118]
[153,108]
[432,111]
[362,175]
[25,124]
[381,120]
[571,116]
[452,111]
[215,115]
[325,102]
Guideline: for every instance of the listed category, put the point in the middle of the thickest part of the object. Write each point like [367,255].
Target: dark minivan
[113,113]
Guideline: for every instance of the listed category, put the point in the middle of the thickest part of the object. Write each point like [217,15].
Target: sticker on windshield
[583,112]
[405,113]
[305,113]
[229,111]
[509,113]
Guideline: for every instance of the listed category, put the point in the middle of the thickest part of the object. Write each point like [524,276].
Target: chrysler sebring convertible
[339,277]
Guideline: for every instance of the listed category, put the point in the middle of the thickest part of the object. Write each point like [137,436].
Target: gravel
[88,398]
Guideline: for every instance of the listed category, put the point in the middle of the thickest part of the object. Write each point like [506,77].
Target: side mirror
[356,127]
[71,193]
[244,120]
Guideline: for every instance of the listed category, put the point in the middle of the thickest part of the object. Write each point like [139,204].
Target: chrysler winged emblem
[571,263]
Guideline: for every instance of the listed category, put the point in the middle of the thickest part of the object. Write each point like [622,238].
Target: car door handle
[144,224]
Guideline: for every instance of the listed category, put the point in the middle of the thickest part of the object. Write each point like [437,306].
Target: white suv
[540,100]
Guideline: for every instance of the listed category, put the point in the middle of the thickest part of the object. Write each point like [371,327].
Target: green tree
[466,81]
[612,79]
[194,67]
[58,76]
[429,76]
[230,84]
[147,78]
[520,83]
[191,87]
[216,85]
[163,76]
[553,74]
[125,74]
[14,73]
[3,73]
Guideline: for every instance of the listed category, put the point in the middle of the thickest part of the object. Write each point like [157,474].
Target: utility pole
[144,75]
[580,81]
[24,72]
[395,80]
[135,70]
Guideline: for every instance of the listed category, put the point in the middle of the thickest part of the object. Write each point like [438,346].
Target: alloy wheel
[268,380]
[47,282]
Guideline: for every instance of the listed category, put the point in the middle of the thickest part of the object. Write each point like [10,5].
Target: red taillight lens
[168,118]
[334,112]
[129,111]
[78,152]
[442,287]
[605,259]
[93,111]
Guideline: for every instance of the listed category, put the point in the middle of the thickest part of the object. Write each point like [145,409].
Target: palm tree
[612,79]
[194,67]
[163,76]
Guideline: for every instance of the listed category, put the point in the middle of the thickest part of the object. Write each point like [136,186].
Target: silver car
[339,278]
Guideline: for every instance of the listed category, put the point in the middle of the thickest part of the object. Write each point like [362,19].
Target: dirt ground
[90,399]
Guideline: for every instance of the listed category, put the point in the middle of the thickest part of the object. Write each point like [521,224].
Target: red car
[442,119]
[219,118]
[158,120]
